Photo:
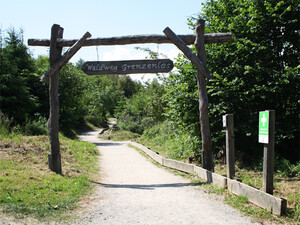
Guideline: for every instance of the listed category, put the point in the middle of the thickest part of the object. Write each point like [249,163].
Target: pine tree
[16,65]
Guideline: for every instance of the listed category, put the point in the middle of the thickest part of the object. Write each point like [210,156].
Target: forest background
[258,70]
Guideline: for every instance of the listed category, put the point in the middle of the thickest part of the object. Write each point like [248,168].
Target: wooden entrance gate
[57,61]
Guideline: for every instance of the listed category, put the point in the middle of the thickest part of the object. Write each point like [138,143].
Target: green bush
[285,168]
[143,110]
[135,124]
[36,127]
[175,143]
[29,127]
[5,124]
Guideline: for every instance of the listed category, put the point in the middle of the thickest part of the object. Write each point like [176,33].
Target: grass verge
[29,189]
[119,135]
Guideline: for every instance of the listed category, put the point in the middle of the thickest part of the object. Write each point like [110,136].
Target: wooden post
[66,57]
[188,52]
[53,126]
[228,123]
[207,155]
[269,156]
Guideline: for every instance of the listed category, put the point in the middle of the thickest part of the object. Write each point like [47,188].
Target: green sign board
[263,130]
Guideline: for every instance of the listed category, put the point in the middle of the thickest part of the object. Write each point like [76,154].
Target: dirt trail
[132,190]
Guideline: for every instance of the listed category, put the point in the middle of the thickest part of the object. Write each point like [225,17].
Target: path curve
[132,190]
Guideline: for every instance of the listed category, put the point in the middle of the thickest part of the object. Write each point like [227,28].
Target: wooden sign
[128,66]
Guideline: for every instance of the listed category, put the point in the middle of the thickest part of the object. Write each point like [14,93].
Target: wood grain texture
[53,124]
[134,39]
[187,52]
[66,57]
[207,154]
[268,167]
[230,151]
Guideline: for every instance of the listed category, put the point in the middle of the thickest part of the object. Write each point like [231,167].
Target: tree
[259,70]
[72,85]
[144,109]
[38,88]
[101,98]
[17,67]
[127,86]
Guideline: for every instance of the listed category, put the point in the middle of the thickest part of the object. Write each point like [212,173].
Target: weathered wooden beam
[53,123]
[268,166]
[66,57]
[228,123]
[207,154]
[135,39]
[188,52]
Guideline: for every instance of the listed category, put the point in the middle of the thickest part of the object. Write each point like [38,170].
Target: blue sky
[102,19]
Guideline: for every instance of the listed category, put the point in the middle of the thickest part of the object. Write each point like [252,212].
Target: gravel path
[132,190]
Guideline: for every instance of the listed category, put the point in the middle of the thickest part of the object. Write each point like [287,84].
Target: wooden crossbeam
[135,39]
[66,57]
[188,52]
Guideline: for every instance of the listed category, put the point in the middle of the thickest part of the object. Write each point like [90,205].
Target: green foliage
[182,97]
[119,135]
[126,85]
[5,124]
[259,70]
[285,168]
[35,127]
[171,142]
[24,97]
[38,88]
[101,97]
[143,109]
[72,83]
[16,67]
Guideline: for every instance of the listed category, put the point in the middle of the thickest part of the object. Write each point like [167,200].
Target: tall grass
[29,188]
[172,143]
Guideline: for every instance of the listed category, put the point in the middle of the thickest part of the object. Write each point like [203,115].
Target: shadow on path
[105,144]
[147,186]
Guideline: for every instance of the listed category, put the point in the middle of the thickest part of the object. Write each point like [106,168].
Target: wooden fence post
[207,155]
[269,156]
[228,123]
[53,124]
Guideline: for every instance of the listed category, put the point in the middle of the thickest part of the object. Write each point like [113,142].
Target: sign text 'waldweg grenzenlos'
[128,66]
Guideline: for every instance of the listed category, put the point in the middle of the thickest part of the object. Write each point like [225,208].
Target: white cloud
[121,53]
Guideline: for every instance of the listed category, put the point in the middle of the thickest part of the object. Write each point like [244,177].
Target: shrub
[285,168]
[36,127]
[5,124]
